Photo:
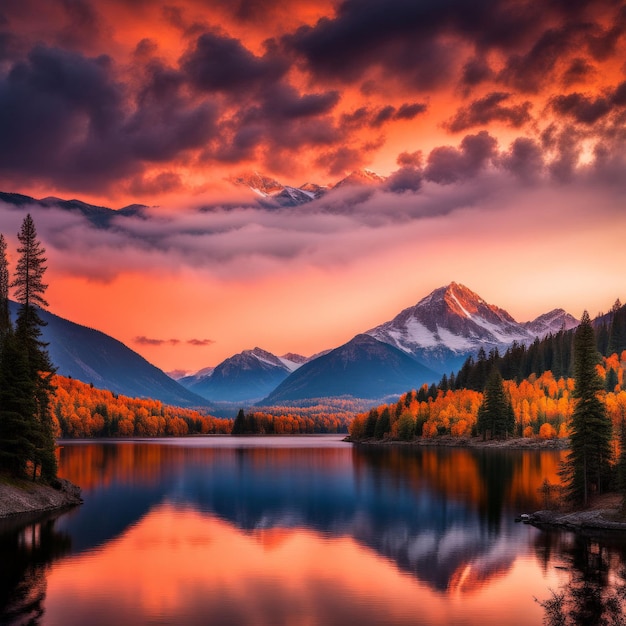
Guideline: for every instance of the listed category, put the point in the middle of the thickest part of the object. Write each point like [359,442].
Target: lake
[300,531]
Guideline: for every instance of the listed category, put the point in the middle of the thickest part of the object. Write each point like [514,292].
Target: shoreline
[447,441]
[589,522]
[25,498]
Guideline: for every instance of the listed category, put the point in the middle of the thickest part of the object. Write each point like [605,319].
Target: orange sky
[500,124]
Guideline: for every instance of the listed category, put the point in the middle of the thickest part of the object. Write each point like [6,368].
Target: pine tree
[17,408]
[5,320]
[29,290]
[495,414]
[617,332]
[239,424]
[587,465]
[383,424]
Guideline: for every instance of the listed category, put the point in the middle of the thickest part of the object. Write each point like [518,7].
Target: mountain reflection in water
[289,531]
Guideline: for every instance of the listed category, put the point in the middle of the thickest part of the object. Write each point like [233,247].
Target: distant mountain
[93,357]
[443,328]
[360,177]
[362,368]
[551,322]
[247,376]
[275,193]
[99,216]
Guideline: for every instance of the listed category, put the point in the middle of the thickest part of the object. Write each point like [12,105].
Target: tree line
[588,408]
[27,445]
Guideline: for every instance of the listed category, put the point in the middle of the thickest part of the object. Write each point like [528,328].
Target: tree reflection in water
[27,552]
[595,592]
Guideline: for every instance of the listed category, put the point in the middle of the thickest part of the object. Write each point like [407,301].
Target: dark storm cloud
[619,95]
[414,159]
[83,26]
[220,63]
[406,179]
[44,100]
[409,111]
[61,103]
[492,108]
[283,103]
[376,117]
[582,108]
[587,110]
[476,71]
[406,37]
[339,160]
[524,159]
[447,164]
[529,72]
[579,70]
[602,42]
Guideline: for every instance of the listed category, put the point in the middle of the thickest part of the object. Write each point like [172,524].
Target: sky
[500,126]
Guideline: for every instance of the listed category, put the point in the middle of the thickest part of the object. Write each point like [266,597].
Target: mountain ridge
[451,322]
[92,356]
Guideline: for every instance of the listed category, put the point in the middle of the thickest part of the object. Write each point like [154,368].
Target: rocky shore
[606,514]
[25,497]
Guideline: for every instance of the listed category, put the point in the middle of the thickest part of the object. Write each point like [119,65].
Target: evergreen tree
[587,465]
[617,331]
[495,414]
[29,290]
[5,320]
[383,424]
[621,462]
[370,423]
[17,408]
[239,423]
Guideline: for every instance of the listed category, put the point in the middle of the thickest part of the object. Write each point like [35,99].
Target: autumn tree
[587,464]
[29,293]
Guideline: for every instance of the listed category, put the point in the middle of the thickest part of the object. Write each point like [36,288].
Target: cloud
[200,342]
[147,341]
[64,104]
[475,71]
[407,178]
[220,63]
[490,108]
[524,159]
[447,164]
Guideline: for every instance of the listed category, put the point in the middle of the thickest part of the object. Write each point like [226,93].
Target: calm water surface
[298,531]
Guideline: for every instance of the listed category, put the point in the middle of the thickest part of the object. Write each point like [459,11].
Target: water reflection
[27,549]
[319,533]
[595,589]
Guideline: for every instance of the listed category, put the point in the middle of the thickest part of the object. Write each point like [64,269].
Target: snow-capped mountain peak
[360,177]
[551,322]
[452,322]
[275,194]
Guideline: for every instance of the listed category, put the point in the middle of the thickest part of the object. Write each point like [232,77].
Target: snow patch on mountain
[450,323]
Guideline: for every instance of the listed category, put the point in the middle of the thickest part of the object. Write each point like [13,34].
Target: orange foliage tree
[81,410]
[543,407]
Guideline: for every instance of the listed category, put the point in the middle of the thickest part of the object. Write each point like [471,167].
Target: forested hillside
[543,407]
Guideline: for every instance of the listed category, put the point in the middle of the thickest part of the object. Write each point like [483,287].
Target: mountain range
[417,346]
[273,193]
[421,343]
